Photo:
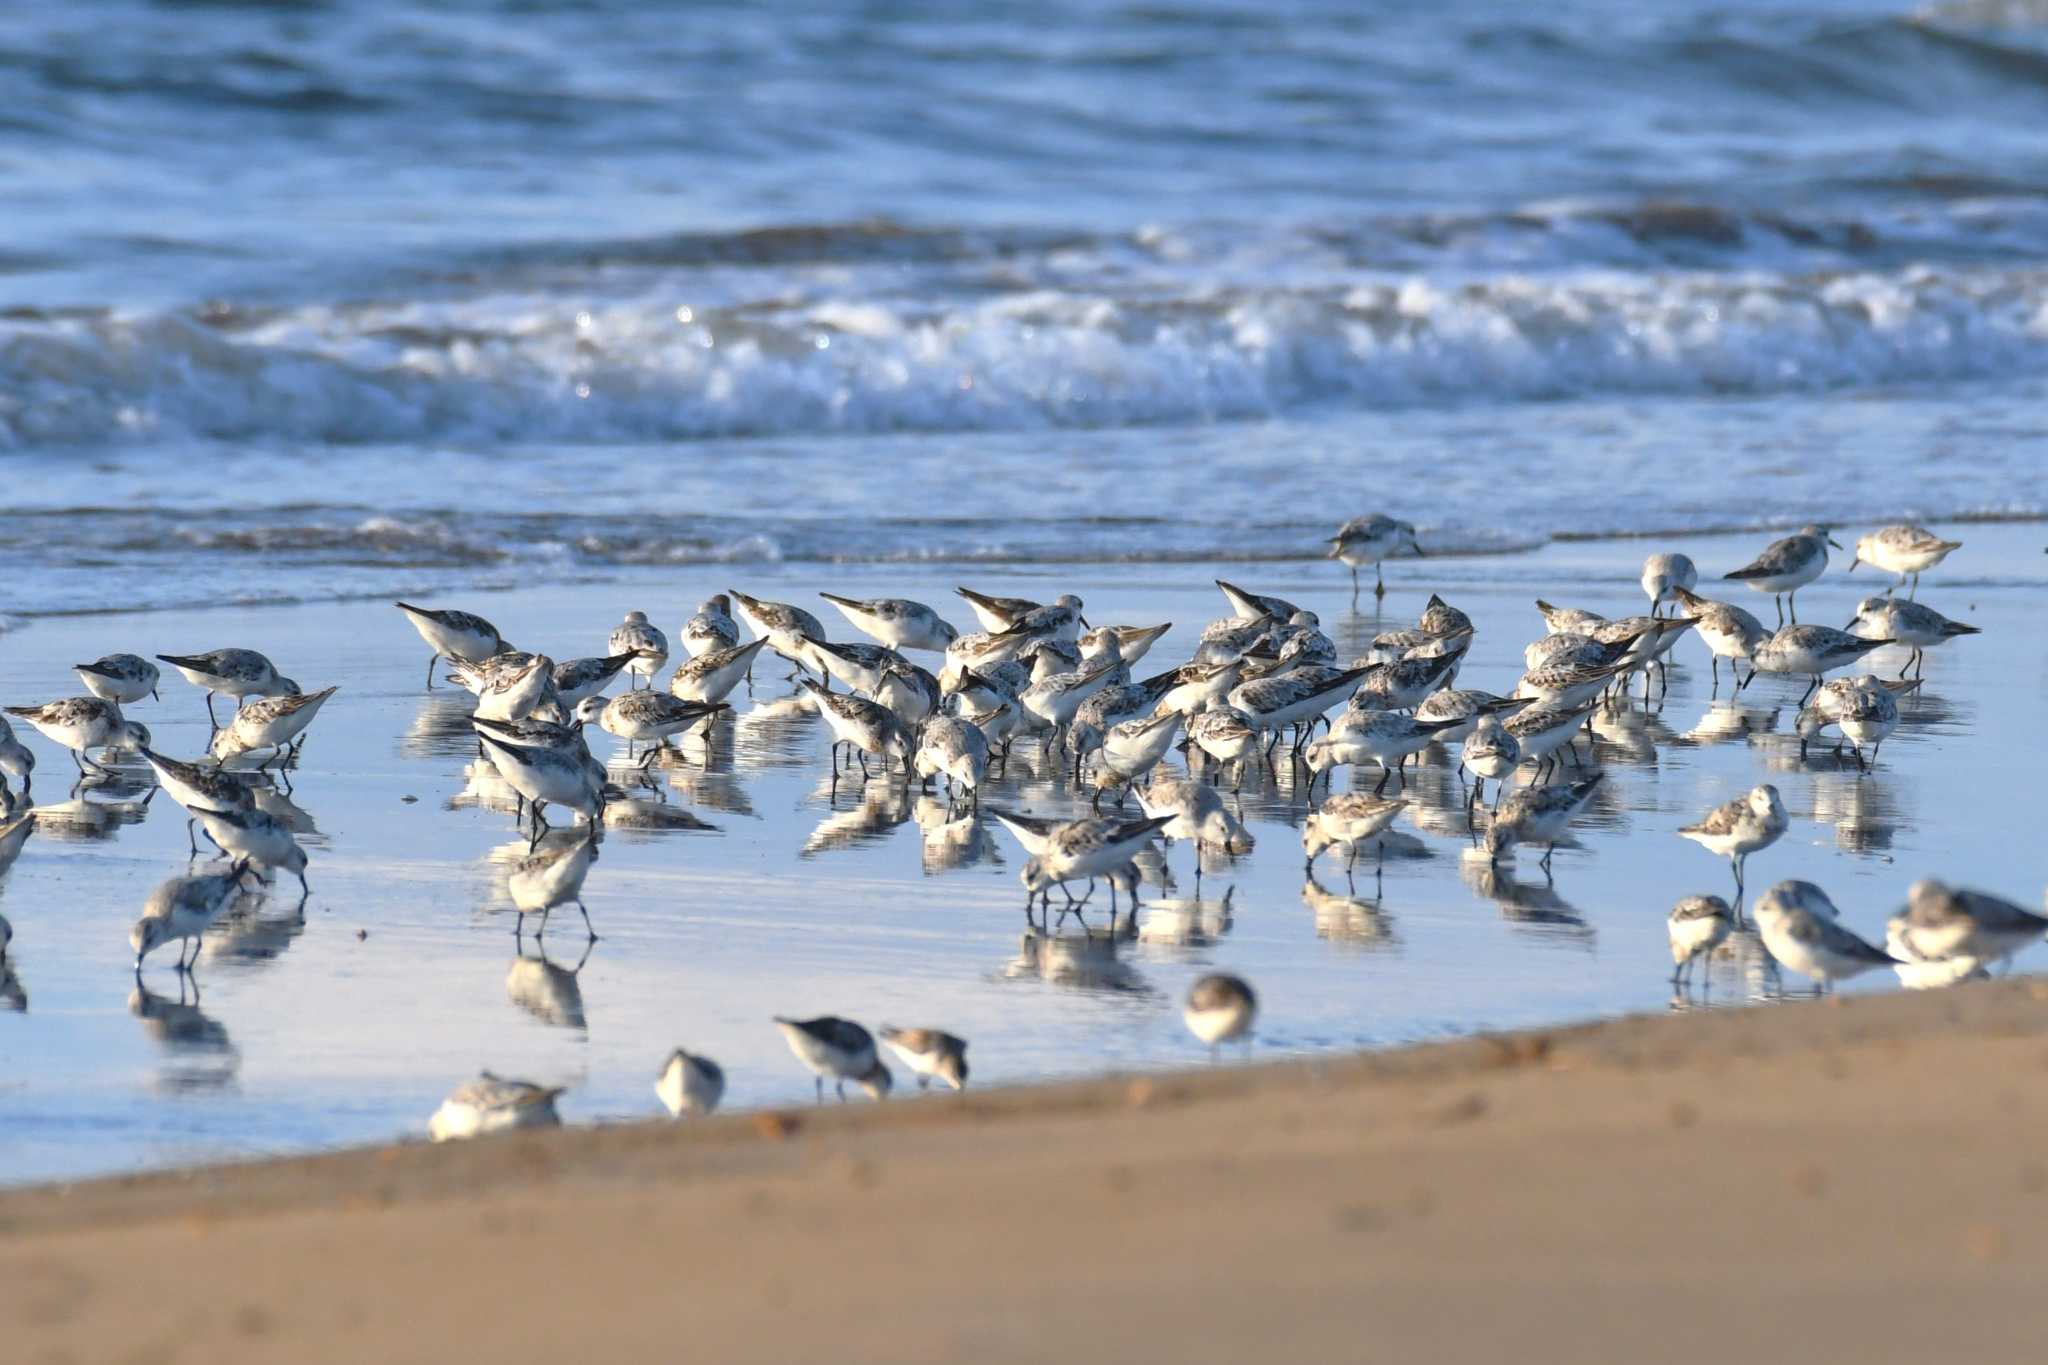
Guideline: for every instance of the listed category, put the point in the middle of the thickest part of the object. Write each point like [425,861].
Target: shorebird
[1788,565]
[1225,734]
[546,777]
[1491,752]
[1735,829]
[1385,738]
[1543,729]
[929,1053]
[1465,708]
[788,629]
[1811,942]
[1941,922]
[1865,709]
[1812,651]
[578,680]
[997,614]
[1250,606]
[458,635]
[955,749]
[198,788]
[1538,815]
[651,717]
[1567,620]
[541,882]
[510,686]
[1131,643]
[1134,748]
[1272,704]
[179,910]
[17,761]
[1697,925]
[1728,631]
[1220,1007]
[269,723]
[647,645]
[896,621]
[712,628]
[1194,811]
[1906,623]
[254,836]
[492,1104]
[1404,684]
[834,1049]
[119,678]
[1086,848]
[1368,540]
[690,1084]
[860,666]
[712,675]
[237,673]
[864,726]
[1348,821]
[1664,574]
[82,723]
[1902,550]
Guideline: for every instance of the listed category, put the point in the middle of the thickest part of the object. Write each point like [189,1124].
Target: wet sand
[1856,1179]
[347,1023]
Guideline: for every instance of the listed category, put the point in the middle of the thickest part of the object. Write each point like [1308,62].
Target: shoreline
[1629,1169]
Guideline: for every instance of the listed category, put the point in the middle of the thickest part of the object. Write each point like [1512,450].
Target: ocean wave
[1035,359]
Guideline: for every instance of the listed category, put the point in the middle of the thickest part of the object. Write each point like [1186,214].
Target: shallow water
[797,901]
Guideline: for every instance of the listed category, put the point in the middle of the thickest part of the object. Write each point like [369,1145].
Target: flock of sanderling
[1038,673]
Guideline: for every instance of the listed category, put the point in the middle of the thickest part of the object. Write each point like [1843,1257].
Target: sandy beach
[1854,1179]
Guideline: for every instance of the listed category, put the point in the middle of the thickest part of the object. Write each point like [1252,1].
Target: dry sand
[1856,1180]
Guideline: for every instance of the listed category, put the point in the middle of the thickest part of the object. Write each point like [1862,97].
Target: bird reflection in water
[862,813]
[1730,722]
[245,936]
[1088,960]
[953,837]
[1533,905]
[1347,919]
[13,995]
[547,990]
[776,734]
[1181,922]
[1865,808]
[201,1055]
[440,728]
[648,816]
[118,802]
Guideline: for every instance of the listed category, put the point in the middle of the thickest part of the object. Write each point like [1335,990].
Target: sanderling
[1920,973]
[1219,1008]
[1735,829]
[82,723]
[1054,701]
[1541,730]
[1809,651]
[1060,617]
[1465,707]
[1225,734]
[236,673]
[859,666]
[1567,620]
[1906,623]
[638,637]
[1050,655]
[690,1083]
[1788,565]
[1032,831]
[1250,606]
[1728,631]
[1347,821]
[1538,815]
[1134,748]
[546,777]
[1192,687]
[254,836]
[1294,698]
[196,787]
[833,1048]
[1385,738]
[1864,709]
[952,748]
[457,635]
[510,686]
[1368,540]
[1231,638]
[1087,848]
[909,691]
[493,1104]
[576,680]
[1195,812]
[997,614]
[1441,618]
[1567,684]
[865,726]
[1664,573]
[17,761]
[1132,643]
[181,908]
[711,628]
[1809,941]
[1942,922]
[651,717]
[981,651]
[1490,751]
[930,1053]
[788,629]
[1402,685]
[1698,925]
[541,882]
[1902,550]
[712,675]
[896,621]
[13,834]
[119,678]
[1108,707]
[270,723]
